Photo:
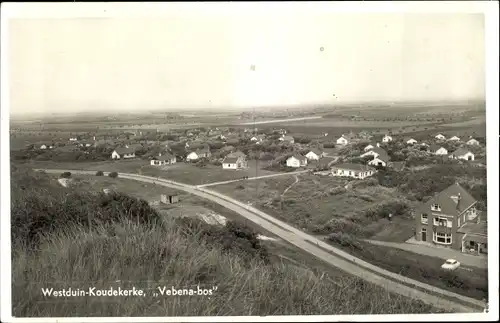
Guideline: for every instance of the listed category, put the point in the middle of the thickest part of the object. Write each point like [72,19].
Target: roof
[449,205]
[237,154]
[470,139]
[299,157]
[435,147]
[474,228]
[316,151]
[461,151]
[355,167]
[121,151]
[165,157]
[288,138]
[439,134]
[383,157]
[230,160]
[382,154]
[409,138]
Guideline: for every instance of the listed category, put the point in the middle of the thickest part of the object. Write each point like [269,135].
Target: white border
[72,10]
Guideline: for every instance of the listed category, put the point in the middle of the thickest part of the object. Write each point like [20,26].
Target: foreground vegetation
[65,239]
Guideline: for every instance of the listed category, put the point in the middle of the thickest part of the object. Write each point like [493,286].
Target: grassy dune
[126,244]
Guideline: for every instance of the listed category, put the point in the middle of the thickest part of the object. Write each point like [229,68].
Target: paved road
[464,259]
[256,177]
[390,281]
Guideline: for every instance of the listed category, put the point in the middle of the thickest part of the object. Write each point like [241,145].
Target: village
[253,153]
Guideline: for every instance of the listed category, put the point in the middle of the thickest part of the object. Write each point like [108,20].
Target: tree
[113,175]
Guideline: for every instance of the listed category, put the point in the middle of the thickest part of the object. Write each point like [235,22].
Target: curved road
[355,266]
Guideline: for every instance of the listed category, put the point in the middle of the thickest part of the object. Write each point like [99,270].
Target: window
[424,229]
[356,174]
[350,173]
[442,222]
[442,238]
[424,218]
[435,207]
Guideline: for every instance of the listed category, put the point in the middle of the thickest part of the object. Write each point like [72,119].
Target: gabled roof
[230,160]
[354,167]
[449,205]
[461,152]
[435,148]
[379,151]
[166,156]
[297,156]
[383,157]
[121,151]
[316,151]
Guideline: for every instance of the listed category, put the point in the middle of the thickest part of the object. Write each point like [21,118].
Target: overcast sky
[64,65]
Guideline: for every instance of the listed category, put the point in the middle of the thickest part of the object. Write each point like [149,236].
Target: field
[320,204]
[181,172]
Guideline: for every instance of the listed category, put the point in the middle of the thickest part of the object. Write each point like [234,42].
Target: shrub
[345,240]
[99,173]
[240,187]
[66,175]
[113,175]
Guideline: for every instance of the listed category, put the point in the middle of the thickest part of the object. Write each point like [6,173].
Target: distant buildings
[440,137]
[287,139]
[371,146]
[387,138]
[411,141]
[162,160]
[454,138]
[199,153]
[353,170]
[343,140]
[296,161]
[473,142]
[438,150]
[123,153]
[314,154]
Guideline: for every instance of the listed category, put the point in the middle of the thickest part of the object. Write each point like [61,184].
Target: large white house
[462,153]
[387,138]
[342,141]
[353,170]
[296,161]
[165,159]
[473,142]
[123,153]
[314,154]
[440,137]
[438,150]
[234,162]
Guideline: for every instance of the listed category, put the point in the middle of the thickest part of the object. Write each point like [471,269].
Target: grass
[419,267]
[181,172]
[316,204]
[156,254]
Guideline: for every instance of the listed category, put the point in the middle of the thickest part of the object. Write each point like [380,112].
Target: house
[296,161]
[473,142]
[450,219]
[199,153]
[234,162]
[45,145]
[410,141]
[379,160]
[123,153]
[314,154]
[454,138]
[375,152]
[287,139]
[462,153]
[165,159]
[371,146]
[397,166]
[343,140]
[258,139]
[439,137]
[85,144]
[438,150]
[353,170]
[74,139]
[387,138]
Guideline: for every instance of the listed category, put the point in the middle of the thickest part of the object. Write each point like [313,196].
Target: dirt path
[289,187]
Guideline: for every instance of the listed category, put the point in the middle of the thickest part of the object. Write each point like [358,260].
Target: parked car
[450,264]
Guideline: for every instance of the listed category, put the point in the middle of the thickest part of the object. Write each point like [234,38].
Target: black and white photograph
[225,161]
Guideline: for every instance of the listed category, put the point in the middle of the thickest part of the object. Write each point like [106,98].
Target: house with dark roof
[445,219]
[462,153]
[199,153]
[359,171]
[123,153]
[296,161]
[234,161]
[314,154]
[163,159]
